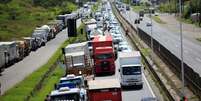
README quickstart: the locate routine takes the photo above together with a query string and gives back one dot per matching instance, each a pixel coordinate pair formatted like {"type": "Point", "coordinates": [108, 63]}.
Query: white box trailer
{"type": "Point", "coordinates": [47, 29]}
{"type": "Point", "coordinates": [10, 51]}
{"type": "Point", "coordinates": [75, 59]}
{"type": "Point", "coordinates": [2, 58]}
{"type": "Point", "coordinates": [76, 47]}
{"type": "Point", "coordinates": [130, 68]}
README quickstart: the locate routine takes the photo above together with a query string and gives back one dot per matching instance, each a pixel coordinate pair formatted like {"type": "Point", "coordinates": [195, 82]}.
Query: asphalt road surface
{"type": "Point", "coordinates": [170, 40]}
{"type": "Point", "coordinates": [17, 72]}
{"type": "Point", "coordinates": [132, 94]}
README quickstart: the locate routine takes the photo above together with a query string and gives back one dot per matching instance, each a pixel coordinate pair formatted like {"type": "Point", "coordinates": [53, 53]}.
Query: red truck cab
{"type": "Point", "coordinates": [104, 90]}
{"type": "Point", "coordinates": [103, 54]}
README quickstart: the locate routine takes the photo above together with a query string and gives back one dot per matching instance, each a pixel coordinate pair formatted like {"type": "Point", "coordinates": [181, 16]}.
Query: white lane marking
{"type": "Point", "coordinates": [152, 93]}
{"type": "Point", "coordinates": [198, 59]}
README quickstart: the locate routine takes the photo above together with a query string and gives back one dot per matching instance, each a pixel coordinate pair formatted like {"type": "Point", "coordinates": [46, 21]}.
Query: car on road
{"type": "Point", "coordinates": [141, 18]}
{"type": "Point", "coordinates": [127, 8]}
{"type": "Point", "coordinates": [149, 99]}
{"type": "Point", "coordinates": [149, 24]}
{"type": "Point", "coordinates": [156, 14]}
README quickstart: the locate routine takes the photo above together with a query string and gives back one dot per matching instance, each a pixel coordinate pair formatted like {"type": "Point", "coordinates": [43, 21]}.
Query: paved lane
{"type": "Point", "coordinates": [132, 94]}
{"type": "Point", "coordinates": [171, 40]}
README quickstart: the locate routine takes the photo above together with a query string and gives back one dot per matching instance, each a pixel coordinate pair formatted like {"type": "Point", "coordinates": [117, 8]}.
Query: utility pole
{"type": "Point", "coordinates": [181, 50]}
{"type": "Point", "coordinates": [152, 47]}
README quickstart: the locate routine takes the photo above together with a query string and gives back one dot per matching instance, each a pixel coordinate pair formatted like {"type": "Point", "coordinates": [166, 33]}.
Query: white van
{"type": "Point", "coordinates": [130, 69]}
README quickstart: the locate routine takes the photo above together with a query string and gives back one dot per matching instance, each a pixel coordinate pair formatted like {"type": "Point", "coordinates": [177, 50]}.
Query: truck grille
{"type": "Point", "coordinates": [105, 65]}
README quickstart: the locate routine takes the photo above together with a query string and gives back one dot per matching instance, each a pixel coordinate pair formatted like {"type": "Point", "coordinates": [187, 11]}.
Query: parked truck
{"type": "Point", "coordinates": [130, 69]}
{"type": "Point", "coordinates": [68, 86]}
{"type": "Point", "coordinates": [77, 59]}
{"type": "Point", "coordinates": [104, 90]}
{"type": "Point", "coordinates": [78, 80]}
{"type": "Point", "coordinates": [103, 54]}
{"type": "Point", "coordinates": [65, 17]}
{"type": "Point", "coordinates": [21, 49]}
{"type": "Point", "coordinates": [40, 37]}
{"type": "Point", "coordinates": [47, 29]}
{"type": "Point", "coordinates": [3, 60]}
{"type": "Point", "coordinates": [10, 51]}
{"type": "Point", "coordinates": [32, 43]}
{"type": "Point", "coordinates": [68, 94]}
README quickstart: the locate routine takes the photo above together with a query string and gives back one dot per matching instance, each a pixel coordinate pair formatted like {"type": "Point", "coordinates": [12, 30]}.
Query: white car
{"type": "Point", "coordinates": [148, 24]}
{"type": "Point", "coordinates": [149, 99]}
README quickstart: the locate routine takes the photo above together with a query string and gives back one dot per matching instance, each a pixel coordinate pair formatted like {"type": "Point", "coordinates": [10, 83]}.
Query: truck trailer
{"type": "Point", "coordinates": [10, 50]}
{"type": "Point", "coordinates": [130, 69]}
{"type": "Point", "coordinates": [104, 90]}
{"type": "Point", "coordinates": [68, 94]}
{"type": "Point", "coordinates": [103, 54]}
{"type": "Point", "coordinates": [3, 58]}
{"type": "Point", "coordinates": [77, 59]}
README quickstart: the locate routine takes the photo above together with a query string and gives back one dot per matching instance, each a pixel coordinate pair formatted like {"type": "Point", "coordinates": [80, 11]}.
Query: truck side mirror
{"type": "Point", "coordinates": [119, 70]}
{"type": "Point", "coordinates": [63, 50]}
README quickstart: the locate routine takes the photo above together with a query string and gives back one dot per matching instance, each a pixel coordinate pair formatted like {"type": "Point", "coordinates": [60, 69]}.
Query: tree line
{"type": "Point", "coordinates": [189, 7]}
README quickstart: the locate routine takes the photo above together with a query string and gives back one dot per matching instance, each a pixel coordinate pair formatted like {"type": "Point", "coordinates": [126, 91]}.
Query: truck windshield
{"type": "Point", "coordinates": [66, 97]}
{"type": "Point", "coordinates": [135, 70]}
{"type": "Point", "coordinates": [76, 81]}
{"type": "Point", "coordinates": [104, 56]}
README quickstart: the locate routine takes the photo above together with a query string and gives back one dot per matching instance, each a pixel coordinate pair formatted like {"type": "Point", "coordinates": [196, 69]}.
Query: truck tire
{"type": "Point", "coordinates": [43, 44]}
{"type": "Point", "coordinates": [140, 86]}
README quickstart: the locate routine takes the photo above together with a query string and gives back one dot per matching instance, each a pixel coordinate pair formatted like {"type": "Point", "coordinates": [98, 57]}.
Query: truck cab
{"type": "Point", "coordinates": [103, 54]}
{"type": "Point", "coordinates": [104, 90]}
{"type": "Point", "coordinates": [40, 36]}
{"type": "Point", "coordinates": [130, 69]}
{"type": "Point", "coordinates": [67, 94]}
{"type": "Point", "coordinates": [78, 80]}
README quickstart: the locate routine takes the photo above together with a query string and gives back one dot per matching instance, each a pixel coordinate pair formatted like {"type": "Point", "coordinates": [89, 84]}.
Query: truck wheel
{"type": "Point", "coordinates": [140, 86]}
{"type": "Point", "coordinates": [43, 44]}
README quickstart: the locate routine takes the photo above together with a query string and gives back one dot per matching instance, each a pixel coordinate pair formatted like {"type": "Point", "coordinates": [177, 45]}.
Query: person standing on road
{"type": "Point", "coordinates": [127, 32]}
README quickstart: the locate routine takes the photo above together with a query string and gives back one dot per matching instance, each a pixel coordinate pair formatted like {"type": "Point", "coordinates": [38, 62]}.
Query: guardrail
{"type": "Point", "coordinates": [148, 63]}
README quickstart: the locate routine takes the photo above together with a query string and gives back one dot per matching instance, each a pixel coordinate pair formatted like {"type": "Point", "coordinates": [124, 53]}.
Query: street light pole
{"type": "Point", "coordinates": [181, 39]}
{"type": "Point", "coordinates": [129, 11]}
{"type": "Point", "coordinates": [152, 46]}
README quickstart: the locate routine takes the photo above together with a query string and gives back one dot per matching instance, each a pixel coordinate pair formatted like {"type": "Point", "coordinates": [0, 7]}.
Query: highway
{"type": "Point", "coordinates": [132, 94]}
{"type": "Point", "coordinates": [17, 72]}
{"type": "Point", "coordinates": [171, 41]}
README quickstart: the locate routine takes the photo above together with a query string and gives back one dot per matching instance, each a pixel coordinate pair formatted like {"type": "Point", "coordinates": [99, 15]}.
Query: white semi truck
{"type": "Point", "coordinates": [130, 69]}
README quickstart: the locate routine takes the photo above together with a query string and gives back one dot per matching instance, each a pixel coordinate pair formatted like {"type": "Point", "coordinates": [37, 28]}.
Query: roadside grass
{"type": "Point", "coordinates": [146, 51]}
{"type": "Point", "coordinates": [189, 21]}
{"type": "Point", "coordinates": [23, 89]}
{"type": "Point", "coordinates": [27, 17]}
{"type": "Point", "coordinates": [95, 7]}
{"type": "Point", "coordinates": [48, 84]}
{"type": "Point", "coordinates": [199, 39]}
{"type": "Point", "coordinates": [138, 8]}
{"type": "Point", "coordinates": [158, 20]}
